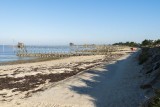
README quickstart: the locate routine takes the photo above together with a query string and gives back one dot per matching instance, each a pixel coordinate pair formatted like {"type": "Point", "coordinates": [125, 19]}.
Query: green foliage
{"type": "Point", "coordinates": [143, 57]}
{"type": "Point", "coordinates": [148, 42]}
{"type": "Point", "coordinates": [157, 42]}
{"type": "Point", "coordinates": [132, 44]}
{"type": "Point", "coordinates": [153, 101]}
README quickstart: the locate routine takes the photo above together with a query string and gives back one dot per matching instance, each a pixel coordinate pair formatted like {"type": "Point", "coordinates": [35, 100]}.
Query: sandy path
{"type": "Point", "coordinates": [114, 85]}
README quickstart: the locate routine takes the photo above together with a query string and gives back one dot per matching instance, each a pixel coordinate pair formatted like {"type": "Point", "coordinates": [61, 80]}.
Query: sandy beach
{"type": "Point", "coordinates": [21, 81]}
{"type": "Point", "coordinates": [81, 81]}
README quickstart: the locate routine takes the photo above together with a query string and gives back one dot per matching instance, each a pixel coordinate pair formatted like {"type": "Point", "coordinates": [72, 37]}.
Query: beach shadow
{"type": "Point", "coordinates": [98, 82]}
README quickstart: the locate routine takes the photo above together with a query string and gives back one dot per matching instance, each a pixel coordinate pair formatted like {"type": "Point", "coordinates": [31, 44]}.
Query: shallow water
{"type": "Point", "coordinates": [8, 53]}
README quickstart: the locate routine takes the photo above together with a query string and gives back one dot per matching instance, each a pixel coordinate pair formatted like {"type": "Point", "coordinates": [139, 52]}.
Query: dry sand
{"type": "Point", "coordinates": [23, 80]}
{"type": "Point", "coordinates": [113, 85]}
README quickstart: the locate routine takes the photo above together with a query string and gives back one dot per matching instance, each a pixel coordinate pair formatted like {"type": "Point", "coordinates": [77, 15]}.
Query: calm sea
{"type": "Point", "coordinates": [8, 53]}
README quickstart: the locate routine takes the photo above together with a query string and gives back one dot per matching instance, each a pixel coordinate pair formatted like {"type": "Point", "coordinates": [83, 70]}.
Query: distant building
{"type": "Point", "coordinates": [20, 45]}
{"type": "Point", "coordinates": [71, 44]}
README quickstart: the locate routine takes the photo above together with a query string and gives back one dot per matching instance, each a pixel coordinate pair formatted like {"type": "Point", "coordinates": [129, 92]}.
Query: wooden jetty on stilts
{"type": "Point", "coordinates": [75, 50]}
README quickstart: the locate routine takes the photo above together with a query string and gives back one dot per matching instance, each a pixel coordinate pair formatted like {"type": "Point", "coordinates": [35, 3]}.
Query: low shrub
{"type": "Point", "coordinates": [143, 57]}
{"type": "Point", "coordinates": [153, 101]}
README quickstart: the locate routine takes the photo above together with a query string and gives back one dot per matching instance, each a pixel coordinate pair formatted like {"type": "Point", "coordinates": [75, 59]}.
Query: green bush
{"type": "Point", "coordinates": [143, 57]}
{"type": "Point", "coordinates": [153, 101]}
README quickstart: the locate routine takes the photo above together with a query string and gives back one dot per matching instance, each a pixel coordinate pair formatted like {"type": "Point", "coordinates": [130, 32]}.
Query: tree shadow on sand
{"type": "Point", "coordinates": [100, 81]}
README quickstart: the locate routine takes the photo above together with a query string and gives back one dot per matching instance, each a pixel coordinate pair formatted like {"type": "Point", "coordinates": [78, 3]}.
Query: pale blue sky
{"type": "Point", "coordinates": [56, 22]}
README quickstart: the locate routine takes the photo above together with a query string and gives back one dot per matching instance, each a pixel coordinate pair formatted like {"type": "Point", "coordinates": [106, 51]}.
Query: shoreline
{"type": "Point", "coordinates": [87, 88]}
{"type": "Point", "coordinates": [34, 60]}
{"type": "Point", "coordinates": [23, 80]}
